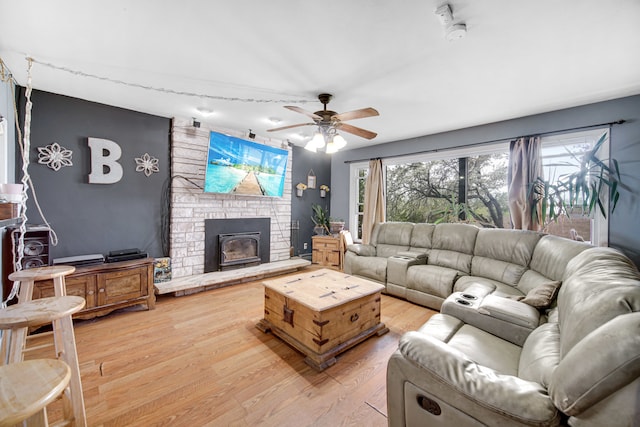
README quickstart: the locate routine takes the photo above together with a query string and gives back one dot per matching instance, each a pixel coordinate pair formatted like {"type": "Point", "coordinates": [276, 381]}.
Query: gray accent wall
{"type": "Point", "coordinates": [97, 218]}
{"type": "Point", "coordinates": [624, 230]}
{"type": "Point", "coordinates": [303, 162]}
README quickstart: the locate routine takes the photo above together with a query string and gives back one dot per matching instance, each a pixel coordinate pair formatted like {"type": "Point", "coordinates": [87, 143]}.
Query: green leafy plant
{"type": "Point", "coordinates": [320, 217]}
{"type": "Point", "coordinates": [585, 188]}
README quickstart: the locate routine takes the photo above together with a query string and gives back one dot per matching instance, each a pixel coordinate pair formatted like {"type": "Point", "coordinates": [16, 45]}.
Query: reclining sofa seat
{"type": "Point", "coordinates": [581, 368]}
{"type": "Point", "coordinates": [370, 260]}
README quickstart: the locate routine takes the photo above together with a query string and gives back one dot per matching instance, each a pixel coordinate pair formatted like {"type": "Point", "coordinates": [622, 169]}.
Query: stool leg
{"type": "Point", "coordinates": [17, 337]}
{"type": "Point", "coordinates": [68, 354]}
{"type": "Point", "coordinates": [59, 286]}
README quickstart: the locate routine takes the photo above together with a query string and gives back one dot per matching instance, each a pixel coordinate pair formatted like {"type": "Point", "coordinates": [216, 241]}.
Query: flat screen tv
{"type": "Point", "coordinates": [237, 166]}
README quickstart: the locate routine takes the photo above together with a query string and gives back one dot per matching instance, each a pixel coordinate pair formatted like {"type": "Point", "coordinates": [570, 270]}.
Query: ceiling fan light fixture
{"type": "Point", "coordinates": [339, 141]}
{"type": "Point", "coordinates": [331, 147]}
{"type": "Point", "coordinates": [310, 146]}
{"type": "Point", "coordinates": [318, 140]}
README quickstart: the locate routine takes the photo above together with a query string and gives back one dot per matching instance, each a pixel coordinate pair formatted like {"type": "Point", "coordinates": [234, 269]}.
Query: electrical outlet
{"type": "Point", "coordinates": [304, 246]}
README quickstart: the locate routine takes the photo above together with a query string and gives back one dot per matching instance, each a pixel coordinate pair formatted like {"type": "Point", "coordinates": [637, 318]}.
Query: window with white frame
{"type": "Point", "coordinates": [561, 155]}
{"type": "Point", "coordinates": [358, 173]}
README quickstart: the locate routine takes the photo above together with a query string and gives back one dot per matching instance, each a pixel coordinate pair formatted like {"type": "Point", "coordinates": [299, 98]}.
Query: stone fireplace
{"type": "Point", "coordinates": [191, 210]}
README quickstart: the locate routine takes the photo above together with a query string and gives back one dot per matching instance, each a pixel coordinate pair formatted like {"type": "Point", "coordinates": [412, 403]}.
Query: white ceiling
{"type": "Point", "coordinates": [518, 58]}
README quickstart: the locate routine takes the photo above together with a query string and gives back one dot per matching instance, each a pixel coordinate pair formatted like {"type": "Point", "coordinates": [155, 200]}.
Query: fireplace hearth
{"type": "Point", "coordinates": [246, 241]}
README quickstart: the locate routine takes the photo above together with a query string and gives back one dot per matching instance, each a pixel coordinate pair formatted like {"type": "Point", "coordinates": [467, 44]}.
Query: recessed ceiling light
{"type": "Point", "coordinates": [204, 111]}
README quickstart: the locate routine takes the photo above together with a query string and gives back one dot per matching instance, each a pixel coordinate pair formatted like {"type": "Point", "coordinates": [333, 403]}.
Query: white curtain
{"type": "Point", "coordinates": [525, 165]}
{"type": "Point", "coordinates": [374, 206]}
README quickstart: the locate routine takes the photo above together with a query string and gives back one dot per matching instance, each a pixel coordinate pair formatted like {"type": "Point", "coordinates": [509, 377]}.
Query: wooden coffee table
{"type": "Point", "coordinates": [322, 313]}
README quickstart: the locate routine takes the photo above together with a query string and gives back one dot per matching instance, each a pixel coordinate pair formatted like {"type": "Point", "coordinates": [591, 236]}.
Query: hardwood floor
{"type": "Point", "coordinates": [199, 360]}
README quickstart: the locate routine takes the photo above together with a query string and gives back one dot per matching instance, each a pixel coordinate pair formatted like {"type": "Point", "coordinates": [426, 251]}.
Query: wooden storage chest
{"type": "Point", "coordinates": [322, 313]}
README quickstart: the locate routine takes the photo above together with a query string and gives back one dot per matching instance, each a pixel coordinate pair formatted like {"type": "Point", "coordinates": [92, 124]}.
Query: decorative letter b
{"type": "Point", "coordinates": [105, 168]}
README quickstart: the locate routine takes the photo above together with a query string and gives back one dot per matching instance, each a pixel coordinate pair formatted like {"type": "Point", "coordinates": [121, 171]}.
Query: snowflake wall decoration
{"type": "Point", "coordinates": [147, 164]}
{"type": "Point", "coordinates": [54, 156]}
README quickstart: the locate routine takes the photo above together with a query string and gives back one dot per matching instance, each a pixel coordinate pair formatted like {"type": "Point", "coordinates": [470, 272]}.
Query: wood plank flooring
{"type": "Point", "coordinates": [199, 360]}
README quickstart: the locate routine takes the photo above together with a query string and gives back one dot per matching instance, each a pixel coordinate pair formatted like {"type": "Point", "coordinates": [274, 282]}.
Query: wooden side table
{"type": "Point", "coordinates": [327, 251]}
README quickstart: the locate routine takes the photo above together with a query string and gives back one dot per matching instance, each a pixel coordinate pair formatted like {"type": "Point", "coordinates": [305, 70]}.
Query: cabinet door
{"type": "Point", "coordinates": [332, 258]}
{"type": "Point", "coordinates": [81, 286]}
{"type": "Point", "coordinates": [122, 285]}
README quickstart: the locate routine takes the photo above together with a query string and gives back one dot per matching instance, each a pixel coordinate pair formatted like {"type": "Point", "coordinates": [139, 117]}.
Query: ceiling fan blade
{"type": "Point", "coordinates": [303, 111]}
{"type": "Point", "coordinates": [357, 131]}
{"type": "Point", "coordinates": [356, 114]}
{"type": "Point", "coordinates": [289, 127]}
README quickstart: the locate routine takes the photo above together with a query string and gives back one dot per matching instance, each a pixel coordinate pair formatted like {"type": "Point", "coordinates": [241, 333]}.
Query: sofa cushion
{"type": "Point", "coordinates": [392, 233]}
{"type": "Point", "coordinates": [540, 354]}
{"type": "Point", "coordinates": [386, 251]}
{"type": "Point", "coordinates": [432, 279]}
{"type": "Point", "coordinates": [370, 267]}
{"type": "Point", "coordinates": [455, 237]}
{"type": "Point", "coordinates": [421, 237]}
{"type": "Point", "coordinates": [611, 357]}
{"type": "Point", "coordinates": [452, 246]}
{"type": "Point", "coordinates": [505, 272]}
{"type": "Point", "coordinates": [553, 253]}
{"type": "Point", "coordinates": [502, 254]}
{"type": "Point", "coordinates": [512, 246]}
{"type": "Point", "coordinates": [601, 284]}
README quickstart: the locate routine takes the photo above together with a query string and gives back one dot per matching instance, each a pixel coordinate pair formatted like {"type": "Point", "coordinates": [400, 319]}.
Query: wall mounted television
{"type": "Point", "coordinates": [237, 166]}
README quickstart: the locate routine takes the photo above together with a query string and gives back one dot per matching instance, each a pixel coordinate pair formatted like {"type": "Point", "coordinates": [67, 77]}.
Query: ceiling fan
{"type": "Point", "coordinates": [327, 119]}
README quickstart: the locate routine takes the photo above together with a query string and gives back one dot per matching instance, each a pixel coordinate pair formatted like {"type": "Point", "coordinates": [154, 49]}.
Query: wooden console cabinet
{"type": "Point", "coordinates": [327, 251]}
{"type": "Point", "coordinates": [107, 287]}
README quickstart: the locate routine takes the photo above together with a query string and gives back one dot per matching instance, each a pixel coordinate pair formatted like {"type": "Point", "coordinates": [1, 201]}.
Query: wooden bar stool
{"type": "Point", "coordinates": [15, 321]}
{"type": "Point", "coordinates": [28, 387]}
{"type": "Point", "coordinates": [28, 277]}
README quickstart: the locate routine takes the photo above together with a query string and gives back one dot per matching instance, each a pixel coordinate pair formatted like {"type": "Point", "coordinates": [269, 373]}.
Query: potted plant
{"type": "Point", "coordinates": [336, 225]}
{"type": "Point", "coordinates": [585, 188]}
{"type": "Point", "coordinates": [320, 218]}
{"type": "Point", "coordinates": [324, 189]}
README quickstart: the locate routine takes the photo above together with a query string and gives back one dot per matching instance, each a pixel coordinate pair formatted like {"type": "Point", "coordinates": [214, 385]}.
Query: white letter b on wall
{"type": "Point", "coordinates": [105, 168]}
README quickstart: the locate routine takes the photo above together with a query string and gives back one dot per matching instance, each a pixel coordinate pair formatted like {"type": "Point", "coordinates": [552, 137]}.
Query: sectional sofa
{"type": "Point", "coordinates": [426, 263]}
{"type": "Point", "coordinates": [505, 350]}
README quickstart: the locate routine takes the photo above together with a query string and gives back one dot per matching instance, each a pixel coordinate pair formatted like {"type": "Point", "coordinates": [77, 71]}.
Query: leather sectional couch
{"type": "Point", "coordinates": [505, 350]}
{"type": "Point", "coordinates": [425, 263]}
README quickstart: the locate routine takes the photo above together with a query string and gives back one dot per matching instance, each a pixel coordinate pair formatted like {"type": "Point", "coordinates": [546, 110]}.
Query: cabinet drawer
{"type": "Point", "coordinates": [327, 244]}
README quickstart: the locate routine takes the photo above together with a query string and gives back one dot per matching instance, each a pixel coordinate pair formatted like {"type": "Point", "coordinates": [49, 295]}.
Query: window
{"type": "Point", "coordinates": [561, 154]}
{"type": "Point", "coordinates": [358, 173]}
{"type": "Point", "coordinates": [465, 184]}
{"type": "Point", "coordinates": [470, 184]}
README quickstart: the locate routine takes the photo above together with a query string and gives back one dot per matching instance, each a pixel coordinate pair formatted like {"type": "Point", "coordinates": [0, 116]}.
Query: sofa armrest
{"type": "Point", "coordinates": [457, 379]}
{"type": "Point", "coordinates": [511, 311]}
{"type": "Point", "coordinates": [362, 249]}
{"type": "Point", "coordinates": [508, 319]}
